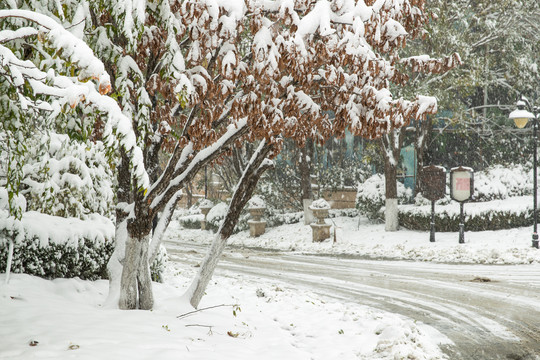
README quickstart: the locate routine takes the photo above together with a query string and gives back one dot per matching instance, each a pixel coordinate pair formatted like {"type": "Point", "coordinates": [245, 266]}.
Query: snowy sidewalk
{"type": "Point", "coordinates": [364, 239]}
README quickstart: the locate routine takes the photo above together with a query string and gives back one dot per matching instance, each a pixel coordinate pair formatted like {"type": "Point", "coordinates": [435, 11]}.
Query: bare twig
{"type": "Point", "coordinates": [206, 308]}
{"type": "Point", "coordinates": [200, 325]}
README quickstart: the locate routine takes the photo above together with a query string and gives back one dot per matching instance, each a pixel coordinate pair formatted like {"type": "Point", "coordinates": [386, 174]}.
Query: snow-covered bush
{"type": "Point", "coordinates": [52, 246]}
{"type": "Point", "coordinates": [277, 219]}
{"type": "Point", "coordinates": [191, 221]}
{"type": "Point", "coordinates": [63, 182]}
{"type": "Point", "coordinates": [191, 218]}
{"type": "Point", "coordinates": [216, 215]}
{"type": "Point", "coordinates": [370, 197]}
{"type": "Point", "coordinates": [492, 215]}
{"type": "Point", "coordinates": [420, 200]}
{"type": "Point", "coordinates": [158, 265]}
{"type": "Point", "coordinates": [68, 178]}
{"type": "Point", "coordinates": [494, 183]}
{"type": "Point", "coordinates": [500, 182]}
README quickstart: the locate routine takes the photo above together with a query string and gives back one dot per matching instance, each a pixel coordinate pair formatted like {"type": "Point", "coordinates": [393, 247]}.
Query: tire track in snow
{"type": "Point", "coordinates": [492, 320]}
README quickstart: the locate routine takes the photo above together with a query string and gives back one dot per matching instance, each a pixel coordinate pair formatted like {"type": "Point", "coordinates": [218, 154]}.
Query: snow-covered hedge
{"type": "Point", "coordinates": [491, 215]}
{"type": "Point", "coordinates": [370, 197]}
{"type": "Point", "coordinates": [494, 183]}
{"type": "Point", "coordinates": [216, 215]}
{"type": "Point", "coordinates": [52, 246]}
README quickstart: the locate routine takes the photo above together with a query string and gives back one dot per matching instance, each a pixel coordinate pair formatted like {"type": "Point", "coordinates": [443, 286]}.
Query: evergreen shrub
{"type": "Point", "coordinates": [493, 215]}
{"type": "Point", "coordinates": [80, 257]}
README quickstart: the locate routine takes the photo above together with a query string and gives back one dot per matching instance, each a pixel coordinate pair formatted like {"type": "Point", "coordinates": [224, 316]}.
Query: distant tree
{"type": "Point", "coordinates": [499, 42]}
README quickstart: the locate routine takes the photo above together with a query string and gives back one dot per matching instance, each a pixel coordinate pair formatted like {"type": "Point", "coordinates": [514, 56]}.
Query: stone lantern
{"type": "Point", "coordinates": [256, 208]}
{"type": "Point", "coordinates": [205, 206]}
{"type": "Point", "coordinates": [320, 229]}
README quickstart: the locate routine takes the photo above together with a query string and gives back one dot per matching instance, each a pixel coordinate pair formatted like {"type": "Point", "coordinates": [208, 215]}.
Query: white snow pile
{"type": "Point", "coordinates": [206, 203]}
{"type": "Point", "coordinates": [320, 204]}
{"type": "Point", "coordinates": [64, 319]}
{"type": "Point", "coordinates": [256, 202]}
{"type": "Point", "coordinates": [58, 230]}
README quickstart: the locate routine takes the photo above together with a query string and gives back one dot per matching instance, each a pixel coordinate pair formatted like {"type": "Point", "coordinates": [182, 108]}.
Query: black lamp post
{"type": "Point", "coordinates": [521, 116]}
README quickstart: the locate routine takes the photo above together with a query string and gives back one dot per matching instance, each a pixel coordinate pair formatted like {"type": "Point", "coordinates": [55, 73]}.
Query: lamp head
{"type": "Point", "coordinates": [521, 116]}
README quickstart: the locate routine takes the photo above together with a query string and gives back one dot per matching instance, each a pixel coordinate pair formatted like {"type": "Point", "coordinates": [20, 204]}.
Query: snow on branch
{"type": "Point", "coordinates": [425, 64]}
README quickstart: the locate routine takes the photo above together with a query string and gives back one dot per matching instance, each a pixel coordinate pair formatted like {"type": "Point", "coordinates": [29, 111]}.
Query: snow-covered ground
{"type": "Point", "coordinates": [359, 237]}
{"type": "Point", "coordinates": [262, 319]}
{"type": "Point", "coordinates": [64, 319]}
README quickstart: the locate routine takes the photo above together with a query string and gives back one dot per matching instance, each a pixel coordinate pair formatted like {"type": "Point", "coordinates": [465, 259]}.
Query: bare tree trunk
{"type": "Point", "coordinates": [423, 131]}
{"type": "Point", "coordinates": [189, 194]}
{"type": "Point", "coordinates": [144, 278]}
{"type": "Point", "coordinates": [391, 213]}
{"type": "Point", "coordinates": [130, 281]}
{"type": "Point", "coordinates": [162, 225]}
{"type": "Point", "coordinates": [9, 259]}
{"type": "Point", "coordinates": [136, 282]}
{"type": "Point", "coordinates": [128, 289]}
{"type": "Point", "coordinates": [391, 145]}
{"type": "Point", "coordinates": [114, 266]}
{"type": "Point", "coordinates": [304, 168]}
{"type": "Point", "coordinates": [243, 193]}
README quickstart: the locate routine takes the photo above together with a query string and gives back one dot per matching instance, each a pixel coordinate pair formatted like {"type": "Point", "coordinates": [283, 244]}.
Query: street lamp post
{"type": "Point", "coordinates": [521, 116]}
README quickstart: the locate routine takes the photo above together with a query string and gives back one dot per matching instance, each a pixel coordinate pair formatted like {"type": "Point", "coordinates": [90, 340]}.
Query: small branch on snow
{"type": "Point", "coordinates": [206, 308]}
{"type": "Point", "coordinates": [199, 325]}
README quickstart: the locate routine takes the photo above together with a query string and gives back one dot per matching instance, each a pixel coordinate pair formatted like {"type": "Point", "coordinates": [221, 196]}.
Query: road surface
{"type": "Point", "coordinates": [488, 312]}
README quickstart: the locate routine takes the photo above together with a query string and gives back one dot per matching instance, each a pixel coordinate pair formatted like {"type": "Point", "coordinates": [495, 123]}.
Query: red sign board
{"type": "Point", "coordinates": [461, 183]}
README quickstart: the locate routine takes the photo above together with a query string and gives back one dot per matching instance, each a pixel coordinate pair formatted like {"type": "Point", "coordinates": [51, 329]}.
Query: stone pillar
{"type": "Point", "coordinates": [204, 210]}
{"type": "Point", "coordinates": [257, 226]}
{"type": "Point", "coordinates": [320, 229]}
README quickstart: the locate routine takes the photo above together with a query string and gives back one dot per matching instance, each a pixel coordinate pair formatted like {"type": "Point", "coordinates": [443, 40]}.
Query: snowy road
{"type": "Point", "coordinates": [489, 312]}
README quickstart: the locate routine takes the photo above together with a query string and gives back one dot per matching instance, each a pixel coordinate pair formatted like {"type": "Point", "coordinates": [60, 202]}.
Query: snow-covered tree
{"type": "Point", "coordinates": [45, 71]}
{"type": "Point", "coordinates": [68, 178]}
{"type": "Point", "coordinates": [196, 78]}
{"type": "Point", "coordinates": [347, 58]}
{"type": "Point", "coordinates": [36, 92]}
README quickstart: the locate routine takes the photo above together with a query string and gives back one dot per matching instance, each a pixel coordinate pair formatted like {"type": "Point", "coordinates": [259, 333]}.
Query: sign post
{"type": "Point", "coordinates": [461, 190]}
{"type": "Point", "coordinates": [433, 185]}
